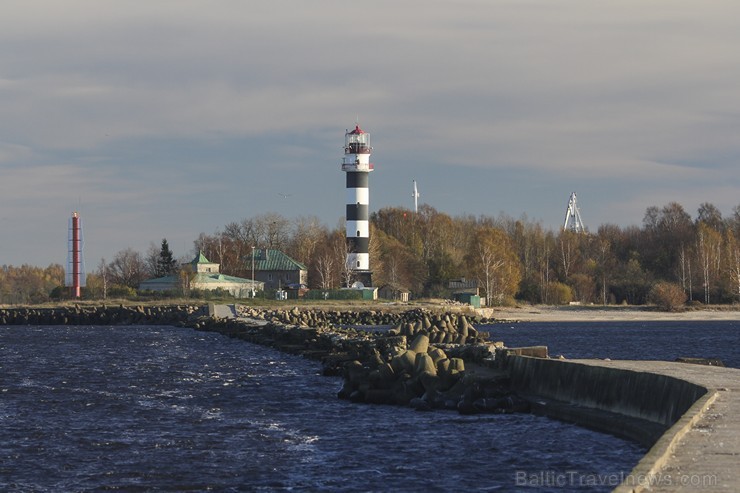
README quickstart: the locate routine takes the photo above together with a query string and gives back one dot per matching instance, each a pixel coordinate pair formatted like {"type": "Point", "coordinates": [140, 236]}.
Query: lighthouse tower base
{"type": "Point", "coordinates": [362, 279]}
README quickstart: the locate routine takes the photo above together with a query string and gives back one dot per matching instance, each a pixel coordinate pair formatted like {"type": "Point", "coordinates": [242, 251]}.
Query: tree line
{"type": "Point", "coordinates": [670, 256]}
{"type": "Point", "coordinates": [510, 258]}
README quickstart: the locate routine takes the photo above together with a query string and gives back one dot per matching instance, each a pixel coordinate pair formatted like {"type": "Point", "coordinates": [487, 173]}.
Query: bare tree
{"type": "Point", "coordinates": [128, 268]}
{"type": "Point", "coordinates": [567, 251]}
{"type": "Point", "coordinates": [151, 259]}
{"type": "Point", "coordinates": [325, 269]}
{"type": "Point", "coordinates": [307, 233]}
{"type": "Point", "coordinates": [685, 274]}
{"type": "Point", "coordinates": [104, 275]}
{"type": "Point", "coordinates": [707, 248]}
{"type": "Point", "coordinates": [733, 254]}
{"type": "Point", "coordinates": [272, 231]}
{"type": "Point", "coordinates": [711, 216]}
{"type": "Point", "coordinates": [605, 262]}
{"type": "Point", "coordinates": [341, 251]}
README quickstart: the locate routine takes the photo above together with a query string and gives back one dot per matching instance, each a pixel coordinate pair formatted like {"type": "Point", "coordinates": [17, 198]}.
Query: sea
{"type": "Point", "coordinates": [153, 408]}
{"type": "Point", "coordinates": [631, 340]}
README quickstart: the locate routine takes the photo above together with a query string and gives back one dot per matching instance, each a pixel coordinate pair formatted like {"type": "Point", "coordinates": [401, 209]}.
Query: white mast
{"type": "Point", "coordinates": [415, 195]}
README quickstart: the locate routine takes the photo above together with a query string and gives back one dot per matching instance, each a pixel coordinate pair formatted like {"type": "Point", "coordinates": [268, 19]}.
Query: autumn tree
{"type": "Point", "coordinates": [668, 296]}
{"type": "Point", "coordinates": [29, 284]}
{"type": "Point", "coordinates": [399, 267]}
{"type": "Point", "coordinates": [492, 261]}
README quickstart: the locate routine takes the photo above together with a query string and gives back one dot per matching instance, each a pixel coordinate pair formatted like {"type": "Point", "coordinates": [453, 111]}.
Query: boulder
{"type": "Point", "coordinates": [420, 404]}
{"type": "Point", "coordinates": [424, 364]}
{"type": "Point", "coordinates": [437, 354]}
{"type": "Point", "coordinates": [404, 362]}
{"type": "Point", "coordinates": [420, 344]}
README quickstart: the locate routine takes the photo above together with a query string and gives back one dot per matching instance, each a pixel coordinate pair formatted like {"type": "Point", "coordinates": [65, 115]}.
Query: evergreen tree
{"type": "Point", "coordinates": [165, 263]}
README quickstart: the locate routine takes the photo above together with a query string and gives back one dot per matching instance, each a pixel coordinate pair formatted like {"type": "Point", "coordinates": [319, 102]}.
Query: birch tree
{"type": "Point", "coordinates": [708, 245]}
{"type": "Point", "coordinates": [493, 262]}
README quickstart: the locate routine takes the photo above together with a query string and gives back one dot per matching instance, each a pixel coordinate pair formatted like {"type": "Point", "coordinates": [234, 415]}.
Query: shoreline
{"type": "Point", "coordinates": [546, 313]}
{"type": "Point", "coordinates": [499, 314]}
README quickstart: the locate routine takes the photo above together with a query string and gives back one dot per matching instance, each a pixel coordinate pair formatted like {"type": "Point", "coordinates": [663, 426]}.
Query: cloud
{"type": "Point", "coordinates": [179, 105]}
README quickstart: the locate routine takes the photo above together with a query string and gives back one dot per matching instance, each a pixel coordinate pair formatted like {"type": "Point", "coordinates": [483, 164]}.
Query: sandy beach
{"type": "Point", "coordinates": [544, 313]}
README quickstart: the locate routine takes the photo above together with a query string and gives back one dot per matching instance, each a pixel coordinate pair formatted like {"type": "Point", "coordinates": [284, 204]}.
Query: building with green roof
{"type": "Point", "coordinates": [202, 274]}
{"type": "Point", "coordinates": [277, 270]}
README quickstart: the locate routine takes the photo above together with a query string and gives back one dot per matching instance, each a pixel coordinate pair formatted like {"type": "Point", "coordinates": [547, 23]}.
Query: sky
{"type": "Point", "coordinates": [171, 118]}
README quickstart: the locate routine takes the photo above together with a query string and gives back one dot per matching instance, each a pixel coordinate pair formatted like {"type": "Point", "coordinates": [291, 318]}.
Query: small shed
{"type": "Point", "coordinates": [468, 298]}
{"type": "Point", "coordinates": [395, 293]}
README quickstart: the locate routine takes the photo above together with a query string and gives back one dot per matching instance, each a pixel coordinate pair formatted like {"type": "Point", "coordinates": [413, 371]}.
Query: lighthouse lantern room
{"type": "Point", "coordinates": [356, 164]}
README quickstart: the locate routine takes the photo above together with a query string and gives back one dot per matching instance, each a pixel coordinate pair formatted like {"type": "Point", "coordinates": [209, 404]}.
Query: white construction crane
{"type": "Point", "coordinates": [573, 216]}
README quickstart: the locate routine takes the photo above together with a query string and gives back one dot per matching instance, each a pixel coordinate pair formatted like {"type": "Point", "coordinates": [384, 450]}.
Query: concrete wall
{"type": "Point", "coordinates": [637, 405]}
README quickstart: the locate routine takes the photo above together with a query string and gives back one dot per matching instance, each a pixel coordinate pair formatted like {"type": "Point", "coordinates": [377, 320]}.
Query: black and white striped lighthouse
{"type": "Point", "coordinates": [356, 164]}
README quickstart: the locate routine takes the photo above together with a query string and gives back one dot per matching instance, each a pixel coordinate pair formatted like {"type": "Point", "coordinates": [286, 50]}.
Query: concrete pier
{"type": "Point", "coordinates": [686, 413]}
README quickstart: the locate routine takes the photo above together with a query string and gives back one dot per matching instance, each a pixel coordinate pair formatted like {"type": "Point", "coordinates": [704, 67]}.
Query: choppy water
{"type": "Point", "coordinates": [662, 340]}
{"type": "Point", "coordinates": [166, 409]}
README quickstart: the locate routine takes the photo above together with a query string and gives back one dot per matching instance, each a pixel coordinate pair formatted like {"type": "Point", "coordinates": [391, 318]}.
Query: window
{"type": "Point", "coordinates": [358, 263]}
{"type": "Point", "coordinates": [358, 232]}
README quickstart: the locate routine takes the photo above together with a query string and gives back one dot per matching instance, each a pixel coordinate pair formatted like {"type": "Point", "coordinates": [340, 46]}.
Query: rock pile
{"type": "Point", "coordinates": [448, 328]}
{"type": "Point", "coordinates": [424, 376]}
{"type": "Point", "coordinates": [368, 318]}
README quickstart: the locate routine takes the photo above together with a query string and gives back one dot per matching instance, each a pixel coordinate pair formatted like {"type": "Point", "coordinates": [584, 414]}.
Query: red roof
{"type": "Point", "coordinates": [357, 131]}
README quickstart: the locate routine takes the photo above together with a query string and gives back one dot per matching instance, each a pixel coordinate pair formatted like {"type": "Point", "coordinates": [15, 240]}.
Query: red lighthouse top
{"type": "Point", "coordinates": [357, 141]}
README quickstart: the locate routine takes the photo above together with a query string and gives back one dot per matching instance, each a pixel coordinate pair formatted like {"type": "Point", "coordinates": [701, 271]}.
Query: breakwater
{"type": "Point", "coordinates": [640, 406]}
{"type": "Point", "coordinates": [177, 315]}
{"type": "Point", "coordinates": [424, 360]}
{"type": "Point", "coordinates": [409, 321]}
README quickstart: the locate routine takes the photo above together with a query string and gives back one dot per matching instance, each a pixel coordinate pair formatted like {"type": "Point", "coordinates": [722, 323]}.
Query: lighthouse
{"type": "Point", "coordinates": [356, 164]}
{"type": "Point", "coordinates": [75, 275]}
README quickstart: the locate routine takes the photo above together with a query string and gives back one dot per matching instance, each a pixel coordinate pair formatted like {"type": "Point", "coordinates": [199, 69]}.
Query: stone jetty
{"type": "Point", "coordinates": [178, 315]}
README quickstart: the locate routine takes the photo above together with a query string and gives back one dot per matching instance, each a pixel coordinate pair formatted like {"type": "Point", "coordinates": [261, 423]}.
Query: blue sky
{"type": "Point", "coordinates": [165, 119]}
